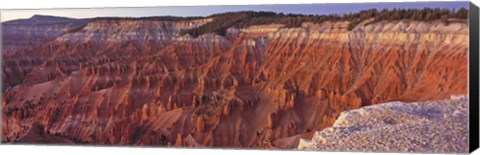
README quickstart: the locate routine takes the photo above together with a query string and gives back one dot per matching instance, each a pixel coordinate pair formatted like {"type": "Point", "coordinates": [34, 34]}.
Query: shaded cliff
{"type": "Point", "coordinates": [35, 31]}
{"type": "Point", "coordinates": [140, 82]}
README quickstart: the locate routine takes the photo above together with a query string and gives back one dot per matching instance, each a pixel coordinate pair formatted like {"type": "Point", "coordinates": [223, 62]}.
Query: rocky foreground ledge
{"type": "Point", "coordinates": [433, 126]}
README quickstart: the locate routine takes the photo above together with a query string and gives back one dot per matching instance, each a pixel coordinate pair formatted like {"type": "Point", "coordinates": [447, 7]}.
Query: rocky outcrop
{"type": "Point", "coordinates": [138, 82]}
{"type": "Point", "coordinates": [439, 126]}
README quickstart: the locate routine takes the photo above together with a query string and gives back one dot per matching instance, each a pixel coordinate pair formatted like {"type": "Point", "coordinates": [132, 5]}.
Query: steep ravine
{"type": "Point", "coordinates": [140, 83]}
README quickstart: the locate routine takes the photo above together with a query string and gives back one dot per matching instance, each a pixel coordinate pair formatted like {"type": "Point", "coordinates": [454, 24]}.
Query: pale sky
{"type": "Point", "coordinates": [208, 10]}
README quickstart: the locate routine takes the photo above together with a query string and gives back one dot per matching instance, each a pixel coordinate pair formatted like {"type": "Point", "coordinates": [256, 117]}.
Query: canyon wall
{"type": "Point", "coordinates": [138, 82]}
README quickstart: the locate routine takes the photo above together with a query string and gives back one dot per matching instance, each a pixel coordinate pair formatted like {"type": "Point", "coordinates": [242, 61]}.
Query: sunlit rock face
{"type": "Point", "coordinates": [139, 82]}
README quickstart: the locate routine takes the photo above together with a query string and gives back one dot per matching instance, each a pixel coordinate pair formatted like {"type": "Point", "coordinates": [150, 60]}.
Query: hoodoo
{"type": "Point", "coordinates": [180, 82]}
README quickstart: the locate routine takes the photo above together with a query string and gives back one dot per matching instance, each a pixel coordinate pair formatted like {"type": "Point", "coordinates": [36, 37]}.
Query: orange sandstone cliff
{"type": "Point", "coordinates": [139, 82]}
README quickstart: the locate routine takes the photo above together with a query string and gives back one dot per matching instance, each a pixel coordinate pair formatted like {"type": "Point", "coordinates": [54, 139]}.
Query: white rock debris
{"type": "Point", "coordinates": [432, 126]}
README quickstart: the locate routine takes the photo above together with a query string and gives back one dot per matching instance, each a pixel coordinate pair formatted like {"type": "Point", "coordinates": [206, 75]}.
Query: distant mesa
{"type": "Point", "coordinates": [41, 19]}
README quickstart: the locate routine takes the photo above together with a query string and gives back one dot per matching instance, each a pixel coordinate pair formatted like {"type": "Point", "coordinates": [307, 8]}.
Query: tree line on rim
{"type": "Point", "coordinates": [221, 22]}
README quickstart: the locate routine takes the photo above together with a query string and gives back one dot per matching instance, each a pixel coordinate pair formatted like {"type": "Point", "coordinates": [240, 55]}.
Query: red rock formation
{"type": "Point", "coordinates": [131, 82]}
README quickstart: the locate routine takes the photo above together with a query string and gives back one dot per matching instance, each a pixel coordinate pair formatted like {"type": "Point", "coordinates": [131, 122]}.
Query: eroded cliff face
{"type": "Point", "coordinates": [131, 82]}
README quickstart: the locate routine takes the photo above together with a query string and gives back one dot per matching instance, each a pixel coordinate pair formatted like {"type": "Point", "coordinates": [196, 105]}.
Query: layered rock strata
{"type": "Point", "coordinates": [138, 82]}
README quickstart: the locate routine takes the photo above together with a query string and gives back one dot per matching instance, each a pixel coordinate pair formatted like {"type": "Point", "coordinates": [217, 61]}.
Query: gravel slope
{"type": "Point", "coordinates": [433, 126]}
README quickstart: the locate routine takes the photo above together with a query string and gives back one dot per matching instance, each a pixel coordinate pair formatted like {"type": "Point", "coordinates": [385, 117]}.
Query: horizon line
{"type": "Point", "coordinates": [208, 10]}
